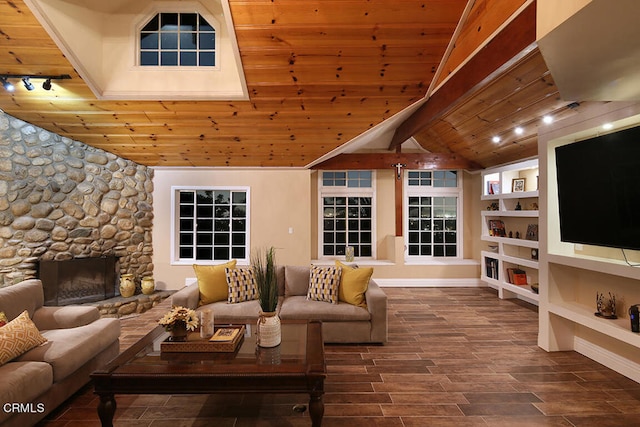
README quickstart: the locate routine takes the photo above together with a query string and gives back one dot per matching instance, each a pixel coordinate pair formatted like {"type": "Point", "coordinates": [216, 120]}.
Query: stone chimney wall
{"type": "Point", "coordinates": [62, 199]}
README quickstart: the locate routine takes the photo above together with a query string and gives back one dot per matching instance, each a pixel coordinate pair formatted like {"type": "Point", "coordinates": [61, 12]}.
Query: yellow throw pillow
{"type": "Point", "coordinates": [354, 282]}
{"type": "Point", "coordinates": [17, 337]}
{"type": "Point", "coordinates": [212, 281]}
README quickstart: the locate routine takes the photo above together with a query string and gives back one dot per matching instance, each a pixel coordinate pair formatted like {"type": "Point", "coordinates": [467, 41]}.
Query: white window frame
{"type": "Point", "coordinates": [417, 191]}
{"type": "Point", "coordinates": [175, 227]}
{"type": "Point", "coordinates": [339, 191]}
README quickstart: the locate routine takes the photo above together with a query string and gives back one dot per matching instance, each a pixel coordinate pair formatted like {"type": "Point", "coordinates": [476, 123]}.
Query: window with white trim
{"type": "Point", "coordinates": [346, 213]}
{"type": "Point", "coordinates": [433, 215]}
{"type": "Point", "coordinates": [211, 224]}
{"type": "Point", "coordinates": [178, 39]}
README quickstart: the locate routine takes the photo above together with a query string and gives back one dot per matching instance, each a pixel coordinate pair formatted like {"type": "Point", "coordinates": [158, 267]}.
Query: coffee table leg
{"type": "Point", "coordinates": [106, 409]}
{"type": "Point", "coordinates": [316, 409]}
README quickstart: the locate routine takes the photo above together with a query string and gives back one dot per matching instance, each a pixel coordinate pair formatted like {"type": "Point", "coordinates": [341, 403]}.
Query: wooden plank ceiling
{"type": "Point", "coordinates": [319, 73]}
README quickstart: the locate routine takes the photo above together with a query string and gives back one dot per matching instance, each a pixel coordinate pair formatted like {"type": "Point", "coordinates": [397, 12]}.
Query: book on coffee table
{"type": "Point", "coordinates": [225, 335]}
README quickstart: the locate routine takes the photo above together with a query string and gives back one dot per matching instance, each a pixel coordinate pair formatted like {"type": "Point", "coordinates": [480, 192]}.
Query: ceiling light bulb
{"type": "Point", "coordinates": [547, 119]}
{"type": "Point", "coordinates": [27, 84]}
{"type": "Point", "coordinates": [519, 130]}
{"type": "Point", "coordinates": [47, 84]}
{"type": "Point", "coordinates": [495, 139]}
{"type": "Point", "coordinates": [7, 85]}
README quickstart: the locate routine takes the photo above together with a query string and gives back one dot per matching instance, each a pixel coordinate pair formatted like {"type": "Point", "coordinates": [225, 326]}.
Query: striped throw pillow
{"type": "Point", "coordinates": [242, 285]}
{"type": "Point", "coordinates": [323, 284]}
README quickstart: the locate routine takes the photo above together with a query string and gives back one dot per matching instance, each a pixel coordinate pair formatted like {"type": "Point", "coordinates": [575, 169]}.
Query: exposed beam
{"type": "Point", "coordinates": [507, 47]}
{"type": "Point", "coordinates": [387, 160]}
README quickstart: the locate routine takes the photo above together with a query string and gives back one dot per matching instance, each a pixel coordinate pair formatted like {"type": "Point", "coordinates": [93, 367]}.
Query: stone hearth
{"type": "Point", "coordinates": [121, 307]}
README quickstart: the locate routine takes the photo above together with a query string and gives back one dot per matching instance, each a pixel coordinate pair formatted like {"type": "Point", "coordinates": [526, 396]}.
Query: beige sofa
{"type": "Point", "coordinates": [341, 323]}
{"type": "Point", "coordinates": [78, 342]}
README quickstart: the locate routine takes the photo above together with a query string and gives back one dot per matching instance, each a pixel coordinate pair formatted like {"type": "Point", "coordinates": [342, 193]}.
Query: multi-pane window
{"type": "Point", "coordinates": [433, 219]}
{"type": "Point", "coordinates": [212, 224]}
{"type": "Point", "coordinates": [347, 213]}
{"type": "Point", "coordinates": [178, 39]}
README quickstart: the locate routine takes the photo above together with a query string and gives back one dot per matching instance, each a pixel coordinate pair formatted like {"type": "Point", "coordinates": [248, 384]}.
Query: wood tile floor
{"type": "Point", "coordinates": [455, 357]}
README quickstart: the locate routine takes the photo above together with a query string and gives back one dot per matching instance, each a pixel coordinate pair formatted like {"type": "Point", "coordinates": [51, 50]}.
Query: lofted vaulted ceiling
{"type": "Point", "coordinates": [320, 74]}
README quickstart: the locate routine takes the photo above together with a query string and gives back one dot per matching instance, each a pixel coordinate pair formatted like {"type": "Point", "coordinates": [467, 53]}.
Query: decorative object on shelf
{"type": "Point", "coordinates": [127, 286]}
{"type": "Point", "coordinates": [534, 253]}
{"type": "Point", "coordinates": [535, 287]}
{"type": "Point", "coordinates": [496, 228]}
{"type": "Point", "coordinates": [268, 327]}
{"type": "Point", "coordinates": [606, 309]}
{"type": "Point", "coordinates": [494, 206]}
{"type": "Point", "coordinates": [532, 232]}
{"type": "Point", "coordinates": [517, 234]}
{"type": "Point", "coordinates": [533, 206]}
{"type": "Point", "coordinates": [634, 317]}
{"type": "Point", "coordinates": [349, 254]}
{"type": "Point", "coordinates": [178, 322]}
{"type": "Point", "coordinates": [517, 185]}
{"type": "Point", "coordinates": [147, 285]}
{"type": "Point", "coordinates": [518, 206]}
{"type": "Point", "coordinates": [493, 248]}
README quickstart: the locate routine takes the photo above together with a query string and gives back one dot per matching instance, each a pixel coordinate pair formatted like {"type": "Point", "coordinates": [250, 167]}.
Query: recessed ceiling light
{"type": "Point", "coordinates": [607, 126]}
{"type": "Point", "coordinates": [518, 130]}
{"type": "Point", "coordinates": [495, 139]}
{"type": "Point", "coordinates": [547, 119]}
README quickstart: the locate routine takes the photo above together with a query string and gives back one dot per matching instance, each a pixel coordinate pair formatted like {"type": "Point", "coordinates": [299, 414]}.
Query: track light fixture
{"type": "Point", "coordinates": [27, 84]}
{"type": "Point", "coordinates": [26, 80]}
{"type": "Point", "coordinates": [6, 84]}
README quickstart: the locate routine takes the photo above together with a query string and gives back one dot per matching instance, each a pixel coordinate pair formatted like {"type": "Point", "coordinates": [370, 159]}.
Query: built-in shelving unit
{"type": "Point", "coordinates": [571, 275]}
{"type": "Point", "coordinates": [511, 196]}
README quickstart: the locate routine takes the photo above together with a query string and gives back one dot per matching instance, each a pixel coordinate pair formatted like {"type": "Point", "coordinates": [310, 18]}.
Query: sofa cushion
{"type": "Point", "coordinates": [300, 308]}
{"type": "Point", "coordinates": [212, 281]}
{"type": "Point", "coordinates": [26, 295]}
{"type": "Point", "coordinates": [18, 336]}
{"type": "Point", "coordinates": [23, 382]}
{"type": "Point", "coordinates": [296, 280]}
{"type": "Point", "coordinates": [323, 284]}
{"type": "Point", "coordinates": [353, 284]}
{"type": "Point", "coordinates": [68, 349]}
{"type": "Point", "coordinates": [241, 285]}
{"type": "Point", "coordinates": [227, 313]}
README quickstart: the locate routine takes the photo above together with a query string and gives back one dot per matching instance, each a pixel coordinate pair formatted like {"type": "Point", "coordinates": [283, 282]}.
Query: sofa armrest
{"type": "Point", "coordinates": [188, 297]}
{"type": "Point", "coordinates": [64, 317]}
{"type": "Point", "coordinates": [377, 306]}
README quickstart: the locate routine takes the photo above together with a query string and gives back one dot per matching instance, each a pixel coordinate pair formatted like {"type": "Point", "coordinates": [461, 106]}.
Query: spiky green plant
{"type": "Point", "coordinates": [264, 272]}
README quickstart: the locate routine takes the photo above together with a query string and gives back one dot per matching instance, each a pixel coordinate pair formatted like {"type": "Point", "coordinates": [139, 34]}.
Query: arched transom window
{"type": "Point", "coordinates": [178, 39]}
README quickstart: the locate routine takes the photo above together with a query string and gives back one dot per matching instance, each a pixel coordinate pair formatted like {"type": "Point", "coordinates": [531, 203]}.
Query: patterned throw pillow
{"type": "Point", "coordinates": [323, 284]}
{"type": "Point", "coordinates": [18, 336]}
{"type": "Point", "coordinates": [242, 285]}
{"type": "Point", "coordinates": [3, 319]}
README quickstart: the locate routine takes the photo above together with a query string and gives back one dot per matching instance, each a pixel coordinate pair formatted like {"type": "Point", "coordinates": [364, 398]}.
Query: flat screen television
{"type": "Point", "coordinates": [599, 190]}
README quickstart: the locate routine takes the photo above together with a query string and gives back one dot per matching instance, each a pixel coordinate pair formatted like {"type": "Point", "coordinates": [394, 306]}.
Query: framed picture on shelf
{"type": "Point", "coordinates": [517, 185]}
{"type": "Point", "coordinates": [532, 232]}
{"type": "Point", "coordinates": [496, 228]}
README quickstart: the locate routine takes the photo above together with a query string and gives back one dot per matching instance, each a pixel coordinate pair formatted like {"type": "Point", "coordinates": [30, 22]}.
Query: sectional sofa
{"type": "Point", "coordinates": [68, 343]}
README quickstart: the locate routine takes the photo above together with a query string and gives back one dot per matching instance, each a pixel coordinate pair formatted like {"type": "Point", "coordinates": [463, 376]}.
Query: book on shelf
{"type": "Point", "coordinates": [491, 265]}
{"type": "Point", "coordinates": [517, 276]}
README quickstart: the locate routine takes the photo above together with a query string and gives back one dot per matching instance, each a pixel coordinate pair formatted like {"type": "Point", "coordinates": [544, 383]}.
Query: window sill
{"type": "Point", "coordinates": [355, 261]}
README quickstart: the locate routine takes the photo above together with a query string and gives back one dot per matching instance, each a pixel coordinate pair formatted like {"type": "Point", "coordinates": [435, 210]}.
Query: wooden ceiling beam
{"type": "Point", "coordinates": [430, 161]}
{"type": "Point", "coordinates": [505, 49]}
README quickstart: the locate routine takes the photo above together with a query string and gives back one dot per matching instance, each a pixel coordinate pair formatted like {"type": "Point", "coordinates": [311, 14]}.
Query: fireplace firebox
{"type": "Point", "coordinates": [78, 280]}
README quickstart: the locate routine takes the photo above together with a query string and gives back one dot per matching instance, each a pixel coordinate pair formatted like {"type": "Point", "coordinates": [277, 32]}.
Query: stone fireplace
{"type": "Point", "coordinates": [78, 281]}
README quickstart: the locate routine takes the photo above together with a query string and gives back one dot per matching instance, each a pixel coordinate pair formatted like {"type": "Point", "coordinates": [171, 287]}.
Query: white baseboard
{"type": "Point", "coordinates": [430, 283]}
{"type": "Point", "coordinates": [607, 358]}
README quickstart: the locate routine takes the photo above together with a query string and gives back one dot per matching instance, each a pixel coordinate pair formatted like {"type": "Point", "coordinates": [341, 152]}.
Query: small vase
{"type": "Point", "coordinates": [127, 286]}
{"type": "Point", "coordinates": [147, 285]}
{"type": "Point", "coordinates": [268, 329]}
{"type": "Point", "coordinates": [178, 332]}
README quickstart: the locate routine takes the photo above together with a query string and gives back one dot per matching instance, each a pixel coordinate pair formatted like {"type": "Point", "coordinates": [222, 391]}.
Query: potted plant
{"type": "Point", "coordinates": [264, 273]}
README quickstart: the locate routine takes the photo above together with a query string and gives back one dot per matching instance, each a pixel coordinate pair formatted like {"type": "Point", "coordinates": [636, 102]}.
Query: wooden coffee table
{"type": "Point", "coordinates": [297, 365]}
